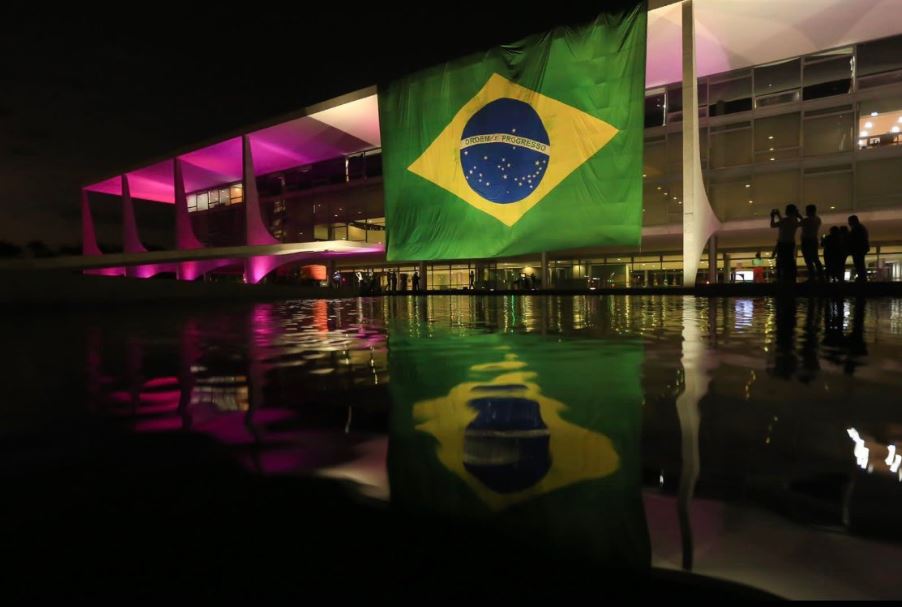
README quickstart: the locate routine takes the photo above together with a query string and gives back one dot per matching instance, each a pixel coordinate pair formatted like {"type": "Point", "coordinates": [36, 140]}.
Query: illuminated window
{"type": "Point", "coordinates": [236, 193]}
{"type": "Point", "coordinates": [880, 122]}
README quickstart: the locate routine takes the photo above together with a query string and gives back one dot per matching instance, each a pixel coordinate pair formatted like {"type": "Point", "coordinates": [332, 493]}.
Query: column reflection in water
{"type": "Point", "coordinates": [522, 436]}
{"type": "Point", "coordinates": [698, 361]}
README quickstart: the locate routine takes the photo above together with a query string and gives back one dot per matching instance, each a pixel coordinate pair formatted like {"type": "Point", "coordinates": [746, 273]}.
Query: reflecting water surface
{"type": "Point", "coordinates": [752, 440]}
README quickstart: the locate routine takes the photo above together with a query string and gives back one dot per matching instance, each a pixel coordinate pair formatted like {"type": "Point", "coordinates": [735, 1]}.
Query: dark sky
{"type": "Point", "coordinates": [84, 95]}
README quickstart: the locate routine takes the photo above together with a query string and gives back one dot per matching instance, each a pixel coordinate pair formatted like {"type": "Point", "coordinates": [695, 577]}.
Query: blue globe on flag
{"type": "Point", "coordinates": [504, 151]}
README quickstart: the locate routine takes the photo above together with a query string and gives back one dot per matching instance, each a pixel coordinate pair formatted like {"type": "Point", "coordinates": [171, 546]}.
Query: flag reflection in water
{"type": "Point", "coordinates": [533, 437]}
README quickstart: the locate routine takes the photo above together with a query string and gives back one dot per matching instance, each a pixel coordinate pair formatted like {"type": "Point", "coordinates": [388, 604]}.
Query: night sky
{"type": "Point", "coordinates": [86, 95]}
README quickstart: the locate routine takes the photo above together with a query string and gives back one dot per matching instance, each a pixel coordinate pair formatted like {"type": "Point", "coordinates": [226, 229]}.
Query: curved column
{"type": "Point", "coordinates": [255, 268]}
{"type": "Point", "coordinates": [131, 241]}
{"type": "Point", "coordinates": [255, 230]}
{"type": "Point", "coordinates": [88, 235]}
{"type": "Point", "coordinates": [185, 239]}
{"type": "Point", "coordinates": [184, 233]}
{"type": "Point", "coordinates": [699, 220]}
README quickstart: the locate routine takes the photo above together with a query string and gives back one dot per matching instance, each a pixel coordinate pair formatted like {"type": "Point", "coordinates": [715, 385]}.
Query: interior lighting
{"type": "Point", "coordinates": [873, 113]}
{"type": "Point", "coordinates": [868, 125]}
{"type": "Point", "coordinates": [863, 134]}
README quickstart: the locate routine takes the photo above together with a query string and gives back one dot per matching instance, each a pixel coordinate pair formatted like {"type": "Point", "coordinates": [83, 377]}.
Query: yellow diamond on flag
{"type": "Point", "coordinates": [468, 158]}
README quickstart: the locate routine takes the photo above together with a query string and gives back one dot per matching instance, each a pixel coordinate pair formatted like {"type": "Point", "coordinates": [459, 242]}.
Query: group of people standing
{"type": "Point", "coordinates": [838, 244]}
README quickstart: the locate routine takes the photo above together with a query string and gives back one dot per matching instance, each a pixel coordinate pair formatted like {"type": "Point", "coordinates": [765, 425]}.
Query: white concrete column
{"type": "Point", "coordinates": [545, 282]}
{"type": "Point", "coordinates": [699, 220]}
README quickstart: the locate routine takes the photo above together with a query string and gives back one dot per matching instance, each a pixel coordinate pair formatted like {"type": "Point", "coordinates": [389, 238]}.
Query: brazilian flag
{"type": "Point", "coordinates": [529, 147]}
{"type": "Point", "coordinates": [531, 437]}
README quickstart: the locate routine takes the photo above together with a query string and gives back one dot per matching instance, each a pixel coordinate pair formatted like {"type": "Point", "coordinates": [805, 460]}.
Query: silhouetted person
{"type": "Point", "coordinates": [393, 281]}
{"type": "Point", "coordinates": [843, 252]}
{"type": "Point", "coordinates": [856, 348]}
{"type": "Point", "coordinates": [809, 347]}
{"type": "Point", "coordinates": [416, 280]}
{"type": "Point", "coordinates": [831, 243]}
{"type": "Point", "coordinates": [785, 359]}
{"type": "Point", "coordinates": [786, 242]}
{"type": "Point", "coordinates": [472, 279]}
{"type": "Point", "coordinates": [858, 247]}
{"type": "Point", "coordinates": [811, 227]}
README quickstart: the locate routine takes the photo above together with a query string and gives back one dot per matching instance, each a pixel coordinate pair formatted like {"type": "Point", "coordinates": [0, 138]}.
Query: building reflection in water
{"type": "Point", "coordinates": [525, 413]}
{"type": "Point", "coordinates": [237, 376]}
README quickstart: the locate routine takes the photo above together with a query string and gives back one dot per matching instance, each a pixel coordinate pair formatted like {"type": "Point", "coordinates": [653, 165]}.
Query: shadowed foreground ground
{"type": "Point", "coordinates": [91, 512]}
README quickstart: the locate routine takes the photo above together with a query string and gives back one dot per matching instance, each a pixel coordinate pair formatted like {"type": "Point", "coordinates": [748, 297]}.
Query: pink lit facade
{"type": "Point", "coordinates": [277, 157]}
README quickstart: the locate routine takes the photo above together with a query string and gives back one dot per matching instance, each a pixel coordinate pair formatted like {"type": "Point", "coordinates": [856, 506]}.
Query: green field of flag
{"type": "Point", "coordinates": [528, 147]}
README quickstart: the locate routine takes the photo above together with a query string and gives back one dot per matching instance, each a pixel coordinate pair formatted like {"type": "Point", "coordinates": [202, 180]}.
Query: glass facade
{"type": "Point", "coordinates": [823, 129]}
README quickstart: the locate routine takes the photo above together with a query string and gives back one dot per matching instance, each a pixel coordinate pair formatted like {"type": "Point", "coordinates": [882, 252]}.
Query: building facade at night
{"type": "Point", "coordinates": [796, 104]}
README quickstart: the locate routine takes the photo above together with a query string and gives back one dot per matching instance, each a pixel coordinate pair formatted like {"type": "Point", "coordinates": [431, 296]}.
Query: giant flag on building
{"type": "Point", "coordinates": [528, 147]}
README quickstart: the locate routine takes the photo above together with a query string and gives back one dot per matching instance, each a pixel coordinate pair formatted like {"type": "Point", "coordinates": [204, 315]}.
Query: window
{"type": "Point", "coordinates": [224, 196]}
{"type": "Point", "coordinates": [880, 122]}
{"type": "Point", "coordinates": [192, 202]}
{"type": "Point", "coordinates": [213, 198]}
{"type": "Point", "coordinates": [730, 96]}
{"type": "Point", "coordinates": [830, 189]}
{"type": "Point", "coordinates": [731, 145]}
{"type": "Point", "coordinates": [730, 198]}
{"type": "Point", "coordinates": [777, 138]}
{"type": "Point", "coordinates": [675, 102]}
{"type": "Point", "coordinates": [654, 157]}
{"type": "Point", "coordinates": [778, 77]}
{"type": "Point", "coordinates": [202, 201]}
{"type": "Point", "coordinates": [877, 183]}
{"type": "Point", "coordinates": [654, 108]}
{"type": "Point", "coordinates": [879, 62]}
{"type": "Point", "coordinates": [236, 193]}
{"type": "Point", "coordinates": [778, 83]}
{"type": "Point", "coordinates": [661, 204]}
{"type": "Point", "coordinates": [827, 74]}
{"type": "Point", "coordinates": [828, 131]}
{"type": "Point", "coordinates": [774, 191]}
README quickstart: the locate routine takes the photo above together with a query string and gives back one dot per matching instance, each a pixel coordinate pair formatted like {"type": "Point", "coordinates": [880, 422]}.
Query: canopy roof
{"type": "Point", "coordinates": [730, 34]}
